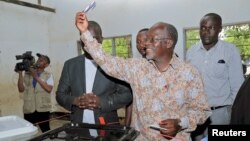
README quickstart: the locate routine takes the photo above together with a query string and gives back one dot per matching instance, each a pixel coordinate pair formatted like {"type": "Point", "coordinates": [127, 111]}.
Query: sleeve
{"type": "Point", "coordinates": [50, 80]}
{"type": "Point", "coordinates": [121, 97]}
{"type": "Point", "coordinates": [198, 108]}
{"type": "Point", "coordinates": [113, 66]}
{"type": "Point", "coordinates": [63, 90]}
{"type": "Point", "coordinates": [236, 76]}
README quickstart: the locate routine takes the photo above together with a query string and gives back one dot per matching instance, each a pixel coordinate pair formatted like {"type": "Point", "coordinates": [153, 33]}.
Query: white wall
{"type": "Point", "coordinates": [24, 29]}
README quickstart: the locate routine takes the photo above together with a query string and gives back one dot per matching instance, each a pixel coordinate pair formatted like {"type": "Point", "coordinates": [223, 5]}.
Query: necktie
{"type": "Point", "coordinates": [34, 80]}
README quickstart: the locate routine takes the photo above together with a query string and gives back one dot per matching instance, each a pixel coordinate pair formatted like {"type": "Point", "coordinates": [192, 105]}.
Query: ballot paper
{"type": "Point", "coordinates": [156, 127]}
{"type": "Point", "coordinates": [91, 6]}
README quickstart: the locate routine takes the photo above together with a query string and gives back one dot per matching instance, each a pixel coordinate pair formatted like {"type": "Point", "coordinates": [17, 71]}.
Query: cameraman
{"type": "Point", "coordinates": [37, 85]}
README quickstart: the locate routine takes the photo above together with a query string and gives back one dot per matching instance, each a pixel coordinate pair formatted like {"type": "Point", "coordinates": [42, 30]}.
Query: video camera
{"type": "Point", "coordinates": [27, 63]}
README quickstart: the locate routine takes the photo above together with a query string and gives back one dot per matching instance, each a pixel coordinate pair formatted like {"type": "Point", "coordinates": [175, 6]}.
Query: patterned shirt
{"type": "Point", "coordinates": [176, 93]}
{"type": "Point", "coordinates": [221, 69]}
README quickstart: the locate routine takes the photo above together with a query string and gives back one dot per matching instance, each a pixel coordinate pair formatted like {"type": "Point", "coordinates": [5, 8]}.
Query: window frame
{"type": "Point", "coordinates": [221, 36]}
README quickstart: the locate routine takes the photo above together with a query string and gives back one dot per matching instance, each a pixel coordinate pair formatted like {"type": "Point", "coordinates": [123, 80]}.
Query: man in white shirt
{"type": "Point", "coordinates": [219, 63]}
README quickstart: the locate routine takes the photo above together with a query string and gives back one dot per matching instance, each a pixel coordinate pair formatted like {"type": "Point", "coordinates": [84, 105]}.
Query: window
{"type": "Point", "coordinates": [238, 34]}
{"type": "Point", "coordinates": [116, 46]}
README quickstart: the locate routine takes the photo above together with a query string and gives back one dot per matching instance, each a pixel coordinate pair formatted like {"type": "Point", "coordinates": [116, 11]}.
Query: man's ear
{"type": "Point", "coordinates": [170, 43]}
{"type": "Point", "coordinates": [220, 29]}
{"type": "Point", "coordinates": [101, 39]}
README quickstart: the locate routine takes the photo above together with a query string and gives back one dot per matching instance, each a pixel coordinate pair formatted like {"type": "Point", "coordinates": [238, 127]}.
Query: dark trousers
{"type": "Point", "coordinates": [198, 133]}
{"type": "Point", "coordinates": [37, 117]}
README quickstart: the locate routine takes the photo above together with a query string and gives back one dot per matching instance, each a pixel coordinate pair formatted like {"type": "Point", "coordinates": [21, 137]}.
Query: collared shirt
{"type": "Point", "coordinates": [176, 93]}
{"type": "Point", "coordinates": [90, 72]}
{"type": "Point", "coordinates": [221, 69]}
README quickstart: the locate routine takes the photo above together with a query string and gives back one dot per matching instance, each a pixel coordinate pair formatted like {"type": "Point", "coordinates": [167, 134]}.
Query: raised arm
{"type": "Point", "coordinates": [113, 66]}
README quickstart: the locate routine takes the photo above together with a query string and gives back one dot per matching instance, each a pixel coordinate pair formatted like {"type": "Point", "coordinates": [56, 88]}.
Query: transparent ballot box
{"type": "Point", "coordinates": [14, 128]}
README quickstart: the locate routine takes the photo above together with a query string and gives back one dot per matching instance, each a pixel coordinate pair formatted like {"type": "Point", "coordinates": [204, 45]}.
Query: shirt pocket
{"type": "Point", "coordinates": [219, 69]}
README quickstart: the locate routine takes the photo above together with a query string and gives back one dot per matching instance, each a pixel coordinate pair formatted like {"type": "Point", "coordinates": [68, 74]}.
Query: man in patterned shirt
{"type": "Point", "coordinates": [166, 91]}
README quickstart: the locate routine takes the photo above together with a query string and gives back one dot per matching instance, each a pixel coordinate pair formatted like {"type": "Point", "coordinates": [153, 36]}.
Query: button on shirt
{"type": "Point", "coordinates": [176, 93]}
{"type": "Point", "coordinates": [221, 69]}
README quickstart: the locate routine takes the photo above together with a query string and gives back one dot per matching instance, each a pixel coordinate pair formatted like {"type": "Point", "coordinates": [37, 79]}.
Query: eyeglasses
{"type": "Point", "coordinates": [153, 40]}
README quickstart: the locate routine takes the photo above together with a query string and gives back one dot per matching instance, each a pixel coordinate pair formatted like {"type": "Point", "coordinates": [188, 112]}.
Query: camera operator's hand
{"type": "Point", "coordinates": [20, 73]}
{"type": "Point", "coordinates": [42, 83]}
{"type": "Point", "coordinates": [20, 82]}
{"type": "Point", "coordinates": [33, 73]}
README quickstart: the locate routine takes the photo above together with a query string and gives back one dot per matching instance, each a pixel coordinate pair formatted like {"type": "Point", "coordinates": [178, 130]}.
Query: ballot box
{"type": "Point", "coordinates": [14, 128]}
{"type": "Point", "coordinates": [80, 132]}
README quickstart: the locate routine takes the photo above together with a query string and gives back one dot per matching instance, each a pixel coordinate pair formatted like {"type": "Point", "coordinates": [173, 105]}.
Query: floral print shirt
{"type": "Point", "coordinates": [176, 93]}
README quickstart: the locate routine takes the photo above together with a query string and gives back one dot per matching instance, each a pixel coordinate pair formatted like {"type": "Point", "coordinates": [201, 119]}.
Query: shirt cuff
{"type": "Point", "coordinates": [184, 123]}
{"type": "Point", "coordinates": [86, 36]}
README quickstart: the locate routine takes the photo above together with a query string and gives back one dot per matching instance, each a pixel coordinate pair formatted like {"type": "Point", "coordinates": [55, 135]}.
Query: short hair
{"type": "Point", "coordinates": [172, 31]}
{"type": "Point", "coordinates": [45, 56]}
{"type": "Point", "coordinates": [96, 26]}
{"type": "Point", "coordinates": [214, 16]}
{"type": "Point", "coordinates": [144, 29]}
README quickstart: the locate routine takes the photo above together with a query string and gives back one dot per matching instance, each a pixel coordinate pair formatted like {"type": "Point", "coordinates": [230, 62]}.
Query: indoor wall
{"type": "Point", "coordinates": [28, 29]}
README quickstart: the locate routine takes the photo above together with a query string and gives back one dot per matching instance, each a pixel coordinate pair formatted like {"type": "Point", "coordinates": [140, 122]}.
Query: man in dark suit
{"type": "Point", "coordinates": [240, 110]}
{"type": "Point", "coordinates": [86, 91]}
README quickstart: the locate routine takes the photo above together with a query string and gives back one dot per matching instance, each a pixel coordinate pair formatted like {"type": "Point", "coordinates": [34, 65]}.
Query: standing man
{"type": "Point", "coordinates": [89, 93]}
{"type": "Point", "coordinates": [37, 85]}
{"type": "Point", "coordinates": [141, 41]}
{"type": "Point", "coordinates": [219, 63]}
{"type": "Point", "coordinates": [166, 91]}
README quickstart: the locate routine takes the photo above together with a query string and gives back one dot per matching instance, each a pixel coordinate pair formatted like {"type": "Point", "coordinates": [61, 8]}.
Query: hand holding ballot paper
{"type": "Point", "coordinates": [169, 126]}
{"type": "Point", "coordinates": [81, 25]}
{"type": "Point", "coordinates": [156, 127]}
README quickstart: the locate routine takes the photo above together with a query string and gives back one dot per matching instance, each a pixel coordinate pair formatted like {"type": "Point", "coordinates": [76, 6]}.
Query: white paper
{"type": "Point", "coordinates": [156, 127]}
{"type": "Point", "coordinates": [91, 6]}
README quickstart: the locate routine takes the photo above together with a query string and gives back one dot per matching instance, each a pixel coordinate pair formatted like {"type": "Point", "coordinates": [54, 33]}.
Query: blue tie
{"type": "Point", "coordinates": [34, 80]}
